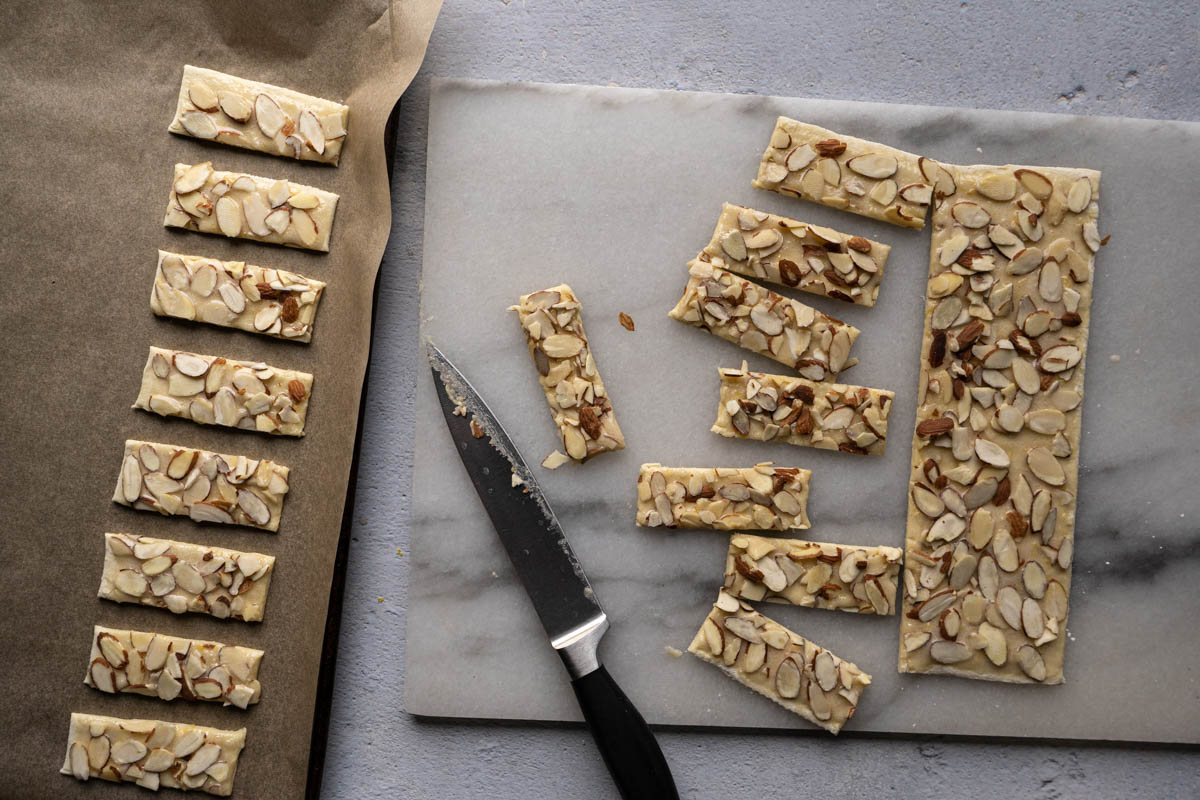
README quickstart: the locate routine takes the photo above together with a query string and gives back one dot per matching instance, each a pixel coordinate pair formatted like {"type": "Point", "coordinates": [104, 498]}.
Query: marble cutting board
{"type": "Point", "coordinates": [613, 190]}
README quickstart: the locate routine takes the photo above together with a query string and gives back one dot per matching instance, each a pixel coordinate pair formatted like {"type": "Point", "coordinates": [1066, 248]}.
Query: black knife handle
{"type": "Point", "coordinates": [629, 748]}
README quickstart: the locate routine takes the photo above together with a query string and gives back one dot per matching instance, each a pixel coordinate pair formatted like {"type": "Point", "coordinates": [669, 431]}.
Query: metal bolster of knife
{"type": "Point", "coordinates": [578, 646]}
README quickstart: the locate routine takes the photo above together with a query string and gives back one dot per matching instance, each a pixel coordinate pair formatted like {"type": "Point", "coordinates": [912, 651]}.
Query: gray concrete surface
{"type": "Point", "coordinates": [1098, 57]}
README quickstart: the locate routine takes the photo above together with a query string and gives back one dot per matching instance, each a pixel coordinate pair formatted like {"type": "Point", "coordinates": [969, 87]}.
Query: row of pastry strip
{"type": "Point", "coordinates": [207, 486]}
{"type": "Point", "coordinates": [757, 652]}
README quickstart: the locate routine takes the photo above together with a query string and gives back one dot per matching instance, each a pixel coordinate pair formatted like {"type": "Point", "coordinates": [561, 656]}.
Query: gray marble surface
{"type": "Point", "coordinates": [1107, 59]}
{"type": "Point", "coordinates": [609, 197]}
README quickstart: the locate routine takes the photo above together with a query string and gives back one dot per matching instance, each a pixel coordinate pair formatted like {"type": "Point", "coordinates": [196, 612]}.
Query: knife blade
{"type": "Point", "coordinates": [556, 583]}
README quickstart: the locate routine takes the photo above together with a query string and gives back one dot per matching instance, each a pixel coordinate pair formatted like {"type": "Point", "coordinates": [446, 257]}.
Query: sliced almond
{"type": "Point", "coordinates": [874, 165]}
{"type": "Point", "coordinates": [193, 178]}
{"type": "Point", "coordinates": [229, 216]}
{"type": "Point", "coordinates": [199, 124]}
{"type": "Point", "coordinates": [268, 115]}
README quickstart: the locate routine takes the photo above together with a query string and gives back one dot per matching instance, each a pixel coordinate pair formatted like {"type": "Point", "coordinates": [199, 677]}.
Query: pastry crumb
{"type": "Point", "coordinates": [673, 652]}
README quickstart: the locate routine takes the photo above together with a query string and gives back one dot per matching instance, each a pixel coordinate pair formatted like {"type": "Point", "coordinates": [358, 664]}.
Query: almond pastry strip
{"type": "Point", "coordinates": [782, 666]}
{"type": "Point", "coordinates": [567, 371]}
{"type": "Point", "coordinates": [183, 577]}
{"type": "Point", "coordinates": [829, 416]}
{"type": "Point", "coordinates": [259, 116]}
{"type": "Point", "coordinates": [734, 309]}
{"type": "Point", "coordinates": [234, 294]}
{"type": "Point", "coordinates": [995, 456]}
{"type": "Point", "coordinates": [850, 174]}
{"type": "Point", "coordinates": [762, 497]}
{"type": "Point", "coordinates": [813, 574]}
{"type": "Point", "coordinates": [170, 667]}
{"type": "Point", "coordinates": [206, 486]}
{"type": "Point", "coordinates": [217, 391]}
{"type": "Point", "coordinates": [243, 206]}
{"type": "Point", "coordinates": [799, 255]}
{"type": "Point", "coordinates": [153, 753]}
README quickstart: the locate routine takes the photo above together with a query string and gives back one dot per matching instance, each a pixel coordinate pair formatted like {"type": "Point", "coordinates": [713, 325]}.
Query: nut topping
{"type": "Point", "coordinates": [792, 253]}
{"type": "Point", "coordinates": [769, 659]}
{"type": "Point", "coordinates": [850, 174]}
{"type": "Point", "coordinates": [990, 538]}
{"type": "Point", "coordinates": [153, 754]}
{"type": "Point", "coordinates": [567, 372]}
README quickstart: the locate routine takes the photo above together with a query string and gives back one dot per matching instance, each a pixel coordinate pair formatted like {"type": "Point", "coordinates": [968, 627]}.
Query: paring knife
{"type": "Point", "coordinates": [556, 584]}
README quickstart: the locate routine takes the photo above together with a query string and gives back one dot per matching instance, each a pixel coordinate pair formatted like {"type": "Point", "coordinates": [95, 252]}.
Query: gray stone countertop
{"type": "Point", "coordinates": [1092, 57]}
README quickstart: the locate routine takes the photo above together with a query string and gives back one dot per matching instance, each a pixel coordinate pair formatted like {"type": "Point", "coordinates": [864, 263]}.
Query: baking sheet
{"type": "Point", "coordinates": [90, 89]}
{"type": "Point", "coordinates": [613, 190]}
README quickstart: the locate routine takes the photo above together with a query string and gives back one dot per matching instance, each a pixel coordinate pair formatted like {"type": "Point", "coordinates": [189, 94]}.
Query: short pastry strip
{"type": "Point", "coordinates": [234, 294]}
{"type": "Point", "coordinates": [567, 371]}
{"type": "Point", "coordinates": [734, 309]}
{"type": "Point", "coordinates": [183, 577]}
{"type": "Point", "coordinates": [206, 486]}
{"type": "Point", "coordinates": [170, 667]}
{"type": "Point", "coordinates": [797, 254]}
{"type": "Point", "coordinates": [763, 497]}
{"type": "Point", "coordinates": [259, 116]}
{"type": "Point", "coordinates": [244, 206]}
{"type": "Point", "coordinates": [850, 174]}
{"type": "Point", "coordinates": [153, 753]}
{"type": "Point", "coordinates": [813, 574]}
{"type": "Point", "coordinates": [766, 657]}
{"type": "Point", "coordinates": [212, 390]}
{"type": "Point", "coordinates": [995, 458]}
{"type": "Point", "coordinates": [829, 416]}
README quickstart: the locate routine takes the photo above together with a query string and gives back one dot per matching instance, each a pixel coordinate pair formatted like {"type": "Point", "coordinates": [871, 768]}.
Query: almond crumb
{"type": "Point", "coordinates": [554, 460]}
{"type": "Point", "coordinates": [626, 321]}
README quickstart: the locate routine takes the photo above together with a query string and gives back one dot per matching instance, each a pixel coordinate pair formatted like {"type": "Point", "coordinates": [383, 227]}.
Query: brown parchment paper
{"type": "Point", "coordinates": [86, 93]}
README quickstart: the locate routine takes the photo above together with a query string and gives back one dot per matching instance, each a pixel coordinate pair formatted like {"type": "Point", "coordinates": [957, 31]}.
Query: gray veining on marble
{"type": "Point", "coordinates": [611, 196]}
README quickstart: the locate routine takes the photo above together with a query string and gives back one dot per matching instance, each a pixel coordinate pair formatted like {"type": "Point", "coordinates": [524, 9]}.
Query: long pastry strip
{"type": "Point", "coordinates": [169, 667]}
{"type": "Point", "coordinates": [212, 390]}
{"type": "Point", "coordinates": [553, 324]}
{"type": "Point", "coordinates": [829, 416]}
{"type": "Point", "coordinates": [991, 513]}
{"type": "Point", "coordinates": [183, 577]}
{"type": "Point", "coordinates": [245, 206]}
{"type": "Point", "coordinates": [851, 174]}
{"type": "Point", "coordinates": [153, 753]}
{"type": "Point", "coordinates": [734, 309]}
{"type": "Point", "coordinates": [813, 574]}
{"type": "Point", "coordinates": [797, 254]}
{"type": "Point", "coordinates": [206, 486]}
{"type": "Point", "coordinates": [259, 116]}
{"type": "Point", "coordinates": [766, 657]}
{"type": "Point", "coordinates": [762, 497]}
{"type": "Point", "coordinates": [234, 294]}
